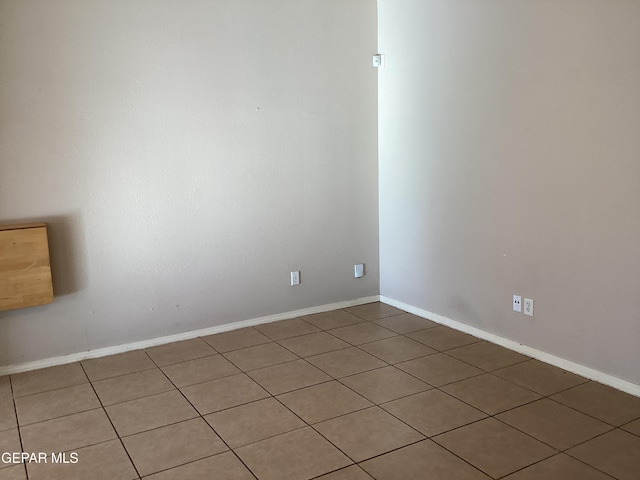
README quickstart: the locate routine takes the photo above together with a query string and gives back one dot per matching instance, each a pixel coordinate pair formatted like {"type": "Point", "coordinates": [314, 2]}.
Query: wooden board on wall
{"type": "Point", "coordinates": [25, 271]}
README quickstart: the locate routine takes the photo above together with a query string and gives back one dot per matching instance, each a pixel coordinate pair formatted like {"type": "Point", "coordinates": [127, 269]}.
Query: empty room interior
{"type": "Point", "coordinates": [319, 239]}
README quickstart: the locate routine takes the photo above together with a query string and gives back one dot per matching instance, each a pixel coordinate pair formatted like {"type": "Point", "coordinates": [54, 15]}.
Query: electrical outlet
{"type": "Point", "coordinates": [295, 278]}
{"type": "Point", "coordinates": [358, 270]}
{"type": "Point", "coordinates": [517, 303]}
{"type": "Point", "coordinates": [528, 307]}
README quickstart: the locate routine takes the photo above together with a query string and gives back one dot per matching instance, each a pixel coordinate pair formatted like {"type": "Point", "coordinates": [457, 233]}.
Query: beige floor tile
{"type": "Point", "coordinates": [346, 362]}
{"type": "Point", "coordinates": [633, 427]}
{"type": "Point", "coordinates": [298, 455]}
{"type": "Point", "coordinates": [151, 412]}
{"type": "Point", "coordinates": [559, 467]}
{"type": "Point", "coordinates": [56, 403]}
{"type": "Point", "coordinates": [132, 386]}
{"type": "Point", "coordinates": [364, 332]}
{"type": "Point", "coordinates": [199, 370]}
{"type": "Point", "coordinates": [490, 394]}
{"type": "Point", "coordinates": [367, 433]}
{"type": "Point", "coordinates": [16, 472]}
{"type": "Point", "coordinates": [439, 369]}
{"type": "Point", "coordinates": [5, 386]}
{"type": "Point", "coordinates": [603, 402]}
{"type": "Point", "coordinates": [374, 311]}
{"type": "Point", "coordinates": [433, 412]}
{"type": "Point", "coordinates": [260, 356]}
{"type": "Point", "coordinates": [322, 402]}
{"type": "Point", "coordinates": [616, 453]}
{"type": "Point", "coordinates": [236, 339]}
{"type": "Point", "coordinates": [114, 365]}
{"type": "Point", "coordinates": [487, 356]}
{"type": "Point", "coordinates": [384, 384]}
{"type": "Point", "coordinates": [253, 422]}
{"type": "Point", "coordinates": [288, 376]}
{"type": "Point", "coordinates": [180, 351]}
{"type": "Point", "coordinates": [7, 410]}
{"type": "Point", "coordinates": [313, 344]}
{"type": "Point", "coordinates": [405, 323]}
{"type": "Point", "coordinates": [9, 442]}
{"type": "Point", "coordinates": [397, 349]}
{"type": "Point", "coordinates": [554, 424]}
{"type": "Point", "coordinates": [104, 461]}
{"type": "Point", "coordinates": [224, 393]}
{"type": "Point", "coordinates": [67, 433]}
{"type": "Point", "coordinates": [286, 329]}
{"type": "Point", "coordinates": [172, 446]}
{"type": "Point", "coordinates": [353, 472]}
{"type": "Point", "coordinates": [223, 466]}
{"type": "Point", "coordinates": [333, 319]}
{"type": "Point", "coordinates": [443, 338]}
{"type": "Point", "coordinates": [494, 447]}
{"type": "Point", "coordinates": [420, 461]}
{"type": "Point", "coordinates": [38, 381]}
{"type": "Point", "coordinates": [540, 377]}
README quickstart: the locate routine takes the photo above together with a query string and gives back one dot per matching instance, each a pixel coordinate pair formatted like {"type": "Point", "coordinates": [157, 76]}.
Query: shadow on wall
{"type": "Point", "coordinates": [67, 250]}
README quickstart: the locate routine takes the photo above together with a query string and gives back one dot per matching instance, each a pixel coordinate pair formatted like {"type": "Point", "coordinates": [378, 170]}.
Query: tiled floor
{"type": "Point", "coordinates": [355, 394]}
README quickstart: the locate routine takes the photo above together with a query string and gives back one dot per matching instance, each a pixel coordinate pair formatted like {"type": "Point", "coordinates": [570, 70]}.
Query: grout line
{"type": "Point", "coordinates": [18, 429]}
{"type": "Point", "coordinates": [201, 416]}
{"type": "Point", "coordinates": [112, 425]}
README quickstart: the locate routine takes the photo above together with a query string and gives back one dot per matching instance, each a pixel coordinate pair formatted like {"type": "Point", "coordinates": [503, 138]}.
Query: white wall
{"type": "Point", "coordinates": [187, 155]}
{"type": "Point", "coordinates": [510, 164]}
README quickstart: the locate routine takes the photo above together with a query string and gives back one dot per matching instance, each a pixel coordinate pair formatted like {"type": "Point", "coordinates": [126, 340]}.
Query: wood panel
{"type": "Point", "coordinates": [25, 271]}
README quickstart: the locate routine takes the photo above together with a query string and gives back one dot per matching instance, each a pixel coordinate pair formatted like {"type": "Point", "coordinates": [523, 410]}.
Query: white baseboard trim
{"type": "Point", "coordinates": [103, 352]}
{"type": "Point", "coordinates": [562, 363]}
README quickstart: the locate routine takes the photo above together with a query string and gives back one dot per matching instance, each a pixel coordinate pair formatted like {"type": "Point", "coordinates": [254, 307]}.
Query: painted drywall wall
{"type": "Point", "coordinates": [187, 156]}
{"type": "Point", "coordinates": [510, 164]}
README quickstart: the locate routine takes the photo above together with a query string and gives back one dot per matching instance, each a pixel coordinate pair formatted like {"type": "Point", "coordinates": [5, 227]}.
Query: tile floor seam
{"type": "Point", "coordinates": [201, 416]}
{"type": "Point", "coordinates": [52, 390]}
{"type": "Point", "coordinates": [585, 413]}
{"type": "Point", "coordinates": [254, 369]}
{"type": "Point", "coordinates": [62, 416]}
{"type": "Point", "coordinates": [476, 366]}
{"type": "Point", "coordinates": [374, 319]}
{"type": "Point", "coordinates": [589, 465]}
{"type": "Point", "coordinates": [542, 395]}
{"type": "Point", "coordinates": [355, 462]}
{"type": "Point", "coordinates": [494, 416]}
{"type": "Point", "coordinates": [174, 363]}
{"type": "Point", "coordinates": [319, 433]}
{"type": "Point", "coordinates": [119, 375]}
{"type": "Point", "coordinates": [579, 411]}
{"type": "Point", "coordinates": [235, 349]}
{"type": "Point", "coordinates": [543, 460]}
{"type": "Point", "coordinates": [433, 439]}
{"type": "Point", "coordinates": [112, 425]}
{"type": "Point", "coordinates": [198, 460]}
{"type": "Point", "coordinates": [478, 408]}
{"type": "Point", "coordinates": [15, 413]}
{"type": "Point", "coordinates": [629, 423]}
{"type": "Point", "coordinates": [293, 336]}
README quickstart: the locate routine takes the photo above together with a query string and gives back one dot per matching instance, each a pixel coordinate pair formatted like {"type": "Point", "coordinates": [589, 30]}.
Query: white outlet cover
{"type": "Point", "coordinates": [517, 303]}
{"type": "Point", "coordinates": [528, 307]}
{"type": "Point", "coordinates": [295, 278]}
{"type": "Point", "coordinates": [358, 270]}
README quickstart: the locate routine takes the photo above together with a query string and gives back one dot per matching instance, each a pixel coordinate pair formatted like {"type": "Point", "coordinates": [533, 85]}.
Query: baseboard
{"type": "Point", "coordinates": [568, 365]}
{"type": "Point", "coordinates": [103, 352]}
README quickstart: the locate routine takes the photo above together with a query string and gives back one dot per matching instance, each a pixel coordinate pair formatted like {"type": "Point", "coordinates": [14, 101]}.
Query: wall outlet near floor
{"type": "Point", "coordinates": [517, 303]}
{"type": "Point", "coordinates": [295, 278]}
{"type": "Point", "coordinates": [358, 270]}
{"type": "Point", "coordinates": [528, 307]}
